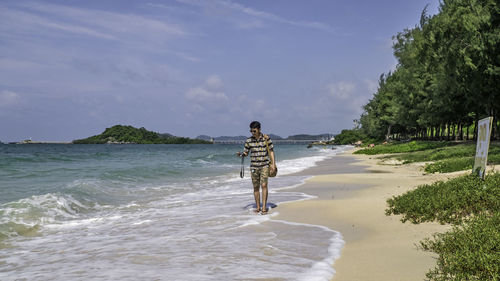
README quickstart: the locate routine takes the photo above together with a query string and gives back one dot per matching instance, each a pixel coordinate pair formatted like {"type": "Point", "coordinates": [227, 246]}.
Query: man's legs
{"type": "Point", "coordinates": [260, 178]}
{"type": "Point", "coordinates": [256, 195]}
{"type": "Point", "coordinates": [264, 175]}
{"type": "Point", "coordinates": [264, 197]}
{"type": "Point", "coordinates": [256, 188]}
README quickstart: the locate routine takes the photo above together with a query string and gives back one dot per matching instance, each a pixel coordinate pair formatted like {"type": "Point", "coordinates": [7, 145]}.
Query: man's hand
{"type": "Point", "coordinates": [273, 168]}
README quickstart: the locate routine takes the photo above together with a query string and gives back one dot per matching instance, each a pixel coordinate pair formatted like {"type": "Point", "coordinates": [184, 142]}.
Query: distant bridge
{"type": "Point", "coordinates": [274, 141]}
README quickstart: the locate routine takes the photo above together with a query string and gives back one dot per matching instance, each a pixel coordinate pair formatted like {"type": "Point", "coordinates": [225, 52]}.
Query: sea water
{"type": "Point", "coordinates": [153, 212]}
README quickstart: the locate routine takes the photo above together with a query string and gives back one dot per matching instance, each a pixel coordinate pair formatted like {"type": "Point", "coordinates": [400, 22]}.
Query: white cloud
{"type": "Point", "coordinates": [371, 85]}
{"type": "Point", "coordinates": [9, 98]}
{"type": "Point", "coordinates": [115, 22]}
{"type": "Point", "coordinates": [202, 95]}
{"type": "Point", "coordinates": [209, 92]}
{"type": "Point", "coordinates": [51, 21]}
{"type": "Point", "coordinates": [208, 97]}
{"type": "Point", "coordinates": [214, 82]}
{"type": "Point", "coordinates": [340, 102]}
{"type": "Point", "coordinates": [209, 100]}
{"type": "Point", "coordinates": [258, 14]}
{"type": "Point", "coordinates": [273, 17]}
{"type": "Point", "coordinates": [341, 90]}
{"type": "Point", "coordinates": [20, 21]}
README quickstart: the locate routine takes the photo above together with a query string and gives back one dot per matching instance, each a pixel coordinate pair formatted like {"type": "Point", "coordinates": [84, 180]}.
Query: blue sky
{"type": "Point", "coordinates": [69, 69]}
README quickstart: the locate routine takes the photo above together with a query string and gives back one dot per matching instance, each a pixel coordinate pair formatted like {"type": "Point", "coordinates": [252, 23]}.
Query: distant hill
{"type": "Point", "coordinates": [204, 137]}
{"type": "Point", "coordinates": [129, 134]}
{"type": "Point", "coordinates": [227, 138]}
{"type": "Point", "coordinates": [273, 137]}
{"type": "Point", "coordinates": [232, 138]}
{"type": "Point", "coordinates": [309, 137]}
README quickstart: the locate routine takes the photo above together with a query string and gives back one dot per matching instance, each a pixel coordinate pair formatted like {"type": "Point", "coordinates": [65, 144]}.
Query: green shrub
{"type": "Point", "coordinates": [449, 157]}
{"type": "Point", "coordinates": [450, 151]}
{"type": "Point", "coordinates": [450, 165]}
{"type": "Point", "coordinates": [453, 150]}
{"type": "Point", "coordinates": [468, 252]}
{"type": "Point", "coordinates": [351, 137]}
{"type": "Point", "coordinates": [403, 147]}
{"type": "Point", "coordinates": [460, 164]}
{"type": "Point", "coordinates": [471, 250]}
{"type": "Point", "coordinates": [448, 202]}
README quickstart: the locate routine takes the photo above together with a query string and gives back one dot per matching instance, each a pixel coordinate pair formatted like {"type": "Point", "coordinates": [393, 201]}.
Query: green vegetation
{"type": "Point", "coordinates": [459, 164]}
{"type": "Point", "coordinates": [446, 156]}
{"type": "Point", "coordinates": [450, 165]}
{"type": "Point", "coordinates": [452, 150]}
{"type": "Point", "coordinates": [446, 79]}
{"type": "Point", "coordinates": [450, 201]}
{"type": "Point", "coordinates": [403, 147]}
{"type": "Point", "coordinates": [129, 134]}
{"type": "Point", "coordinates": [351, 137]}
{"type": "Point", "coordinates": [470, 251]}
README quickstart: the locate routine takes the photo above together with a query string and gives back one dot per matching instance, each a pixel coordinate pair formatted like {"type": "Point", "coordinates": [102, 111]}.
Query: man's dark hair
{"type": "Point", "coordinates": [255, 125]}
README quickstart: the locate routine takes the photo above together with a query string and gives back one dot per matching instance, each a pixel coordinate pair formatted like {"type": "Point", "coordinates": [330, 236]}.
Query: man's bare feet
{"type": "Point", "coordinates": [264, 212]}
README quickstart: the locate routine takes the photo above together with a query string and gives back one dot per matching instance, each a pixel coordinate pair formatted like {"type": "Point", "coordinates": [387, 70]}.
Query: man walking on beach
{"type": "Point", "coordinates": [261, 162]}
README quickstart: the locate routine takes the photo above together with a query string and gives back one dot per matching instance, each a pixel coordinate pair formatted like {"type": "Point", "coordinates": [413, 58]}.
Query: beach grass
{"type": "Point", "coordinates": [445, 156]}
{"type": "Point", "coordinates": [450, 165]}
{"type": "Point", "coordinates": [470, 250]}
{"type": "Point", "coordinates": [449, 201]}
{"type": "Point", "coordinates": [402, 147]}
{"type": "Point", "coordinates": [459, 163]}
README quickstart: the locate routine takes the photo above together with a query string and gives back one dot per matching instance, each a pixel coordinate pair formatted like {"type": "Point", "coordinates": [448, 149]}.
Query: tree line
{"type": "Point", "coordinates": [447, 77]}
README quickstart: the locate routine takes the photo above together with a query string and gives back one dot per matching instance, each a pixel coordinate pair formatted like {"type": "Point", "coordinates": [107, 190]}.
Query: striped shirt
{"type": "Point", "coordinates": [259, 157]}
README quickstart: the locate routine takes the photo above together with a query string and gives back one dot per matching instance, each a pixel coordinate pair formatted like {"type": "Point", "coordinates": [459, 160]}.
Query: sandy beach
{"type": "Point", "coordinates": [351, 198]}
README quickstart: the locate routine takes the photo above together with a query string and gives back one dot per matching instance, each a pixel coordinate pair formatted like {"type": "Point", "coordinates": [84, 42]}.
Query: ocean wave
{"type": "Point", "coordinates": [162, 210]}
{"type": "Point", "coordinates": [25, 217]}
{"type": "Point", "coordinates": [299, 164]}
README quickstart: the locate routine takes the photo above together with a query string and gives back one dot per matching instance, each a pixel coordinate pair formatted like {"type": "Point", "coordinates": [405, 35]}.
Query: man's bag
{"type": "Point", "coordinates": [275, 172]}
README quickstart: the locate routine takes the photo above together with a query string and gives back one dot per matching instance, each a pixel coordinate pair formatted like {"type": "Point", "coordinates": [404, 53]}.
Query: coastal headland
{"type": "Point", "coordinates": [351, 198]}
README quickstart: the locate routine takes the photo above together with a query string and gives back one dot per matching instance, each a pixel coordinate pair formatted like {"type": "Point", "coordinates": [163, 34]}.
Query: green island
{"type": "Point", "coordinates": [120, 134]}
{"type": "Point", "coordinates": [471, 249]}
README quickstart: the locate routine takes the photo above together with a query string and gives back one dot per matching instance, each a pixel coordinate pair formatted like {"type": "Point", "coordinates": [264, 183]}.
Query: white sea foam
{"type": "Point", "coordinates": [286, 167]}
{"type": "Point", "coordinates": [255, 220]}
{"type": "Point", "coordinates": [322, 270]}
{"type": "Point", "coordinates": [296, 165]}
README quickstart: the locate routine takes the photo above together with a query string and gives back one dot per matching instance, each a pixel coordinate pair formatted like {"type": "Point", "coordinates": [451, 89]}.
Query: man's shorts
{"type": "Point", "coordinates": [259, 176]}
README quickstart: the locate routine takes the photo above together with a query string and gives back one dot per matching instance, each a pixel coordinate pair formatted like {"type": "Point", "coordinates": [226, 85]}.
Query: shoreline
{"type": "Point", "coordinates": [351, 198]}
